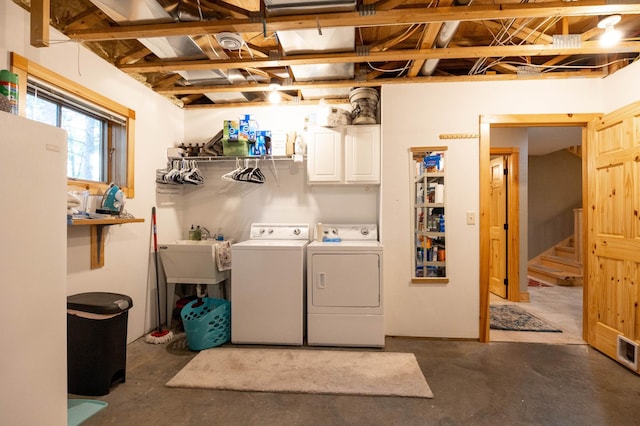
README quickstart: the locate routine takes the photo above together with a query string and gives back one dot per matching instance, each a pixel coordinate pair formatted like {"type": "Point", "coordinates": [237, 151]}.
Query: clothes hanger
{"type": "Point", "coordinates": [243, 175]}
{"type": "Point", "coordinates": [194, 176]}
{"type": "Point", "coordinates": [230, 176]}
{"type": "Point", "coordinates": [256, 175]}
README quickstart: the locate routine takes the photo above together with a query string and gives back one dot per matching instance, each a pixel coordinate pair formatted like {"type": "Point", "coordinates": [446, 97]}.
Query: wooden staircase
{"type": "Point", "coordinates": [562, 263]}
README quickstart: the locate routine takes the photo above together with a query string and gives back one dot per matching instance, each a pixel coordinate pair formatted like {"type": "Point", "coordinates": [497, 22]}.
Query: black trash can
{"type": "Point", "coordinates": [96, 342]}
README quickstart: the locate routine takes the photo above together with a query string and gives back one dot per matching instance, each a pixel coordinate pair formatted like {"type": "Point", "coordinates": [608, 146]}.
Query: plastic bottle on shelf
{"type": "Point", "coordinates": [9, 89]}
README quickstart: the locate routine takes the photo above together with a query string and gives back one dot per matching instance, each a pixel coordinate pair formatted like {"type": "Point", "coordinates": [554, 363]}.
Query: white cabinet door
{"type": "Point", "coordinates": [362, 154]}
{"type": "Point", "coordinates": [324, 156]}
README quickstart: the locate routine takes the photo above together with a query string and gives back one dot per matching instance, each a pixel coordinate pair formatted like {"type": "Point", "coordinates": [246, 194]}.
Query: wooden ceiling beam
{"type": "Point", "coordinates": [428, 38]}
{"type": "Point", "coordinates": [385, 68]}
{"type": "Point", "coordinates": [374, 83]}
{"type": "Point", "coordinates": [133, 56]}
{"type": "Point", "coordinates": [394, 39]}
{"type": "Point", "coordinates": [522, 33]}
{"type": "Point", "coordinates": [40, 13]}
{"type": "Point", "coordinates": [387, 4]}
{"type": "Point", "coordinates": [167, 82]}
{"type": "Point", "coordinates": [415, 15]}
{"type": "Point", "coordinates": [587, 48]}
{"type": "Point", "coordinates": [586, 36]}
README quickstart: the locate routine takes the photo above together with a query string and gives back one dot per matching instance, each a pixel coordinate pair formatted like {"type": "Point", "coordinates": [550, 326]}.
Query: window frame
{"type": "Point", "coordinates": [26, 68]}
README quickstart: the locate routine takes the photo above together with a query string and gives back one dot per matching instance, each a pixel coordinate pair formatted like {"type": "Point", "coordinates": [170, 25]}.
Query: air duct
{"type": "Point", "coordinates": [445, 35]}
{"type": "Point", "coordinates": [297, 7]}
{"type": "Point", "coordinates": [173, 47]}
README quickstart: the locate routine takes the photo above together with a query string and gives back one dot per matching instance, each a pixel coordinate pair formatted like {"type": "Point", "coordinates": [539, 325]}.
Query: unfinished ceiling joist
{"type": "Point", "coordinates": [589, 48]}
{"type": "Point", "coordinates": [324, 50]}
{"type": "Point", "coordinates": [412, 15]}
{"type": "Point", "coordinates": [39, 32]}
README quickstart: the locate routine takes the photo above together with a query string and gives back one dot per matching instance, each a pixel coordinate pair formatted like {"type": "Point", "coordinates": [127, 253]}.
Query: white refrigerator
{"type": "Point", "coordinates": [33, 251]}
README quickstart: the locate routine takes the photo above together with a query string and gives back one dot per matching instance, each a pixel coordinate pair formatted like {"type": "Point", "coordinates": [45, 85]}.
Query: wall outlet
{"type": "Point", "coordinates": [471, 218]}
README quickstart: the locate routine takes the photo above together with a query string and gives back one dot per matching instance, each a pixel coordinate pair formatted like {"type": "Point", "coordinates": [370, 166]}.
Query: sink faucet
{"type": "Point", "coordinates": [206, 234]}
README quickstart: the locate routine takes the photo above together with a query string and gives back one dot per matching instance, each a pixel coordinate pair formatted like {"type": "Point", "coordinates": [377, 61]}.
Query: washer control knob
{"type": "Point", "coordinates": [270, 231]}
{"type": "Point", "coordinates": [296, 231]}
{"type": "Point", "coordinates": [261, 231]}
{"type": "Point", "coordinates": [364, 231]}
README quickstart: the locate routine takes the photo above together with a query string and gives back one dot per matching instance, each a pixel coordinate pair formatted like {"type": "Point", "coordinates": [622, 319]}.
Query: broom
{"type": "Point", "coordinates": [158, 336]}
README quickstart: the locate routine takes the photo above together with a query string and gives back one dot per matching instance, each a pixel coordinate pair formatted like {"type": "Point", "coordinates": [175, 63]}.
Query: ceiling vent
{"type": "Point", "coordinates": [230, 41]}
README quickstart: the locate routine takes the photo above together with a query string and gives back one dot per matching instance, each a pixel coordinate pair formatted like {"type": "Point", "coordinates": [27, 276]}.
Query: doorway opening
{"type": "Point", "coordinates": [487, 124]}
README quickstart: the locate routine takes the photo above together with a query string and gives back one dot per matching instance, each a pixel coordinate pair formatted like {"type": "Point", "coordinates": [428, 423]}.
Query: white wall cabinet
{"type": "Point", "coordinates": [344, 155]}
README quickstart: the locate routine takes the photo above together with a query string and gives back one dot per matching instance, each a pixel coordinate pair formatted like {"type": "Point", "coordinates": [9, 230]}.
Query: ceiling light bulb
{"type": "Point", "coordinates": [274, 97]}
{"type": "Point", "coordinates": [610, 36]}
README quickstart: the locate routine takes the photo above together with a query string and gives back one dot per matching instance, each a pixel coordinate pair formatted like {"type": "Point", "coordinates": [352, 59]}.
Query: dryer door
{"type": "Point", "coordinates": [345, 280]}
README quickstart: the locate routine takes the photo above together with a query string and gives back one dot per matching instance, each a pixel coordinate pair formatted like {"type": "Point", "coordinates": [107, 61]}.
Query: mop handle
{"type": "Point", "coordinates": [155, 232]}
{"type": "Point", "coordinates": [155, 258]}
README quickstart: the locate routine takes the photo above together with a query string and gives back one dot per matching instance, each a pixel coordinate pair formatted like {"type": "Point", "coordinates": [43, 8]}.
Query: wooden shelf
{"type": "Point", "coordinates": [98, 235]}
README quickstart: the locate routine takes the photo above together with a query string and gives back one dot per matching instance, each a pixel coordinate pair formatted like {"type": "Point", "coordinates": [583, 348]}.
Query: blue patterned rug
{"type": "Point", "coordinates": [511, 317]}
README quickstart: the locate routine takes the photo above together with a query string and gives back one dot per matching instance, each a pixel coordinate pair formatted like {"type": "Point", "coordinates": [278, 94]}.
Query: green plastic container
{"type": "Point", "coordinates": [9, 89]}
{"type": "Point", "coordinates": [235, 148]}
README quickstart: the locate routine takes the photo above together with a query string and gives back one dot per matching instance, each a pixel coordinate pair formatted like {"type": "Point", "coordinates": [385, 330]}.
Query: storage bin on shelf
{"type": "Point", "coordinates": [207, 323]}
{"type": "Point", "coordinates": [235, 148]}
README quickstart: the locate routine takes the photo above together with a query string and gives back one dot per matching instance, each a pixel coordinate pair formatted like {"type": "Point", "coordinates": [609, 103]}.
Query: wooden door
{"type": "Point", "coordinates": [498, 231]}
{"type": "Point", "coordinates": [613, 236]}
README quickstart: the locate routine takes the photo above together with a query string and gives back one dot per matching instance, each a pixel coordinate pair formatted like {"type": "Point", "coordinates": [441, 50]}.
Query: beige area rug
{"type": "Point", "coordinates": [305, 371]}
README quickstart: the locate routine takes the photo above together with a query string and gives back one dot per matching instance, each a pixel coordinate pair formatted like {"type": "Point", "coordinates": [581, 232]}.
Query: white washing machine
{"type": "Point", "coordinates": [268, 280]}
{"type": "Point", "coordinates": [344, 287]}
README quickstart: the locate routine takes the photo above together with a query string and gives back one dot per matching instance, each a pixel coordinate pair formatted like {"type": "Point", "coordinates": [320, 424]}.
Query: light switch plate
{"type": "Point", "coordinates": [471, 218]}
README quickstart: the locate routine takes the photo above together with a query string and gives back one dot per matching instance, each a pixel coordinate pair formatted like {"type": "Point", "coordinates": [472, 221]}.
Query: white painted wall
{"type": "Point", "coordinates": [412, 115]}
{"type": "Point", "coordinates": [285, 197]}
{"type": "Point", "coordinates": [415, 115]}
{"type": "Point", "coordinates": [621, 88]}
{"type": "Point", "coordinates": [159, 123]}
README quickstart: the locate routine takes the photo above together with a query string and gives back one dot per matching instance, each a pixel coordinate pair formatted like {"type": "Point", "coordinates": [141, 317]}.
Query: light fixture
{"type": "Point", "coordinates": [610, 36]}
{"type": "Point", "coordinates": [274, 83]}
{"type": "Point", "coordinates": [230, 41]}
{"type": "Point", "coordinates": [274, 95]}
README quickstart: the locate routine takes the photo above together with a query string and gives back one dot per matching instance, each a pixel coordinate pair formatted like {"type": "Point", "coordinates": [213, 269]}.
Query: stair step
{"type": "Point", "coordinates": [554, 275]}
{"type": "Point", "coordinates": [562, 263]}
{"type": "Point", "coordinates": [566, 252]}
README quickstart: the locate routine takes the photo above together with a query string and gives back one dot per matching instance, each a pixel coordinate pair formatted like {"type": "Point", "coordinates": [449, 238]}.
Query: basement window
{"type": "Point", "coordinates": [100, 131]}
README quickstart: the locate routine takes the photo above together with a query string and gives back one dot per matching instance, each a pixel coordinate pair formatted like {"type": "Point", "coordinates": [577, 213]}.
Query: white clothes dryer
{"type": "Point", "coordinates": [268, 280]}
{"type": "Point", "coordinates": [344, 287]}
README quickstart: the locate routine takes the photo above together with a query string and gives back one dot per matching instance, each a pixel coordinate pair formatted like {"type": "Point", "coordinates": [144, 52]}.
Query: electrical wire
{"type": "Point", "coordinates": [549, 68]}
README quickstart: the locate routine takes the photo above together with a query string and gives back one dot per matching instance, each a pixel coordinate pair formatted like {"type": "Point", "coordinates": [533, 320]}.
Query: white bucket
{"type": "Point", "coordinates": [364, 101]}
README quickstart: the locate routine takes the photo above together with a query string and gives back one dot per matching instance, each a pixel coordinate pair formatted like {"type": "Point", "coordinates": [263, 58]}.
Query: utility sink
{"type": "Point", "coordinates": [190, 262]}
{"type": "Point", "coordinates": [198, 242]}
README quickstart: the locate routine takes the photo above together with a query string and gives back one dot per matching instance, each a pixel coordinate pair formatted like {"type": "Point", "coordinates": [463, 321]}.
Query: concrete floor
{"type": "Point", "coordinates": [473, 383]}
